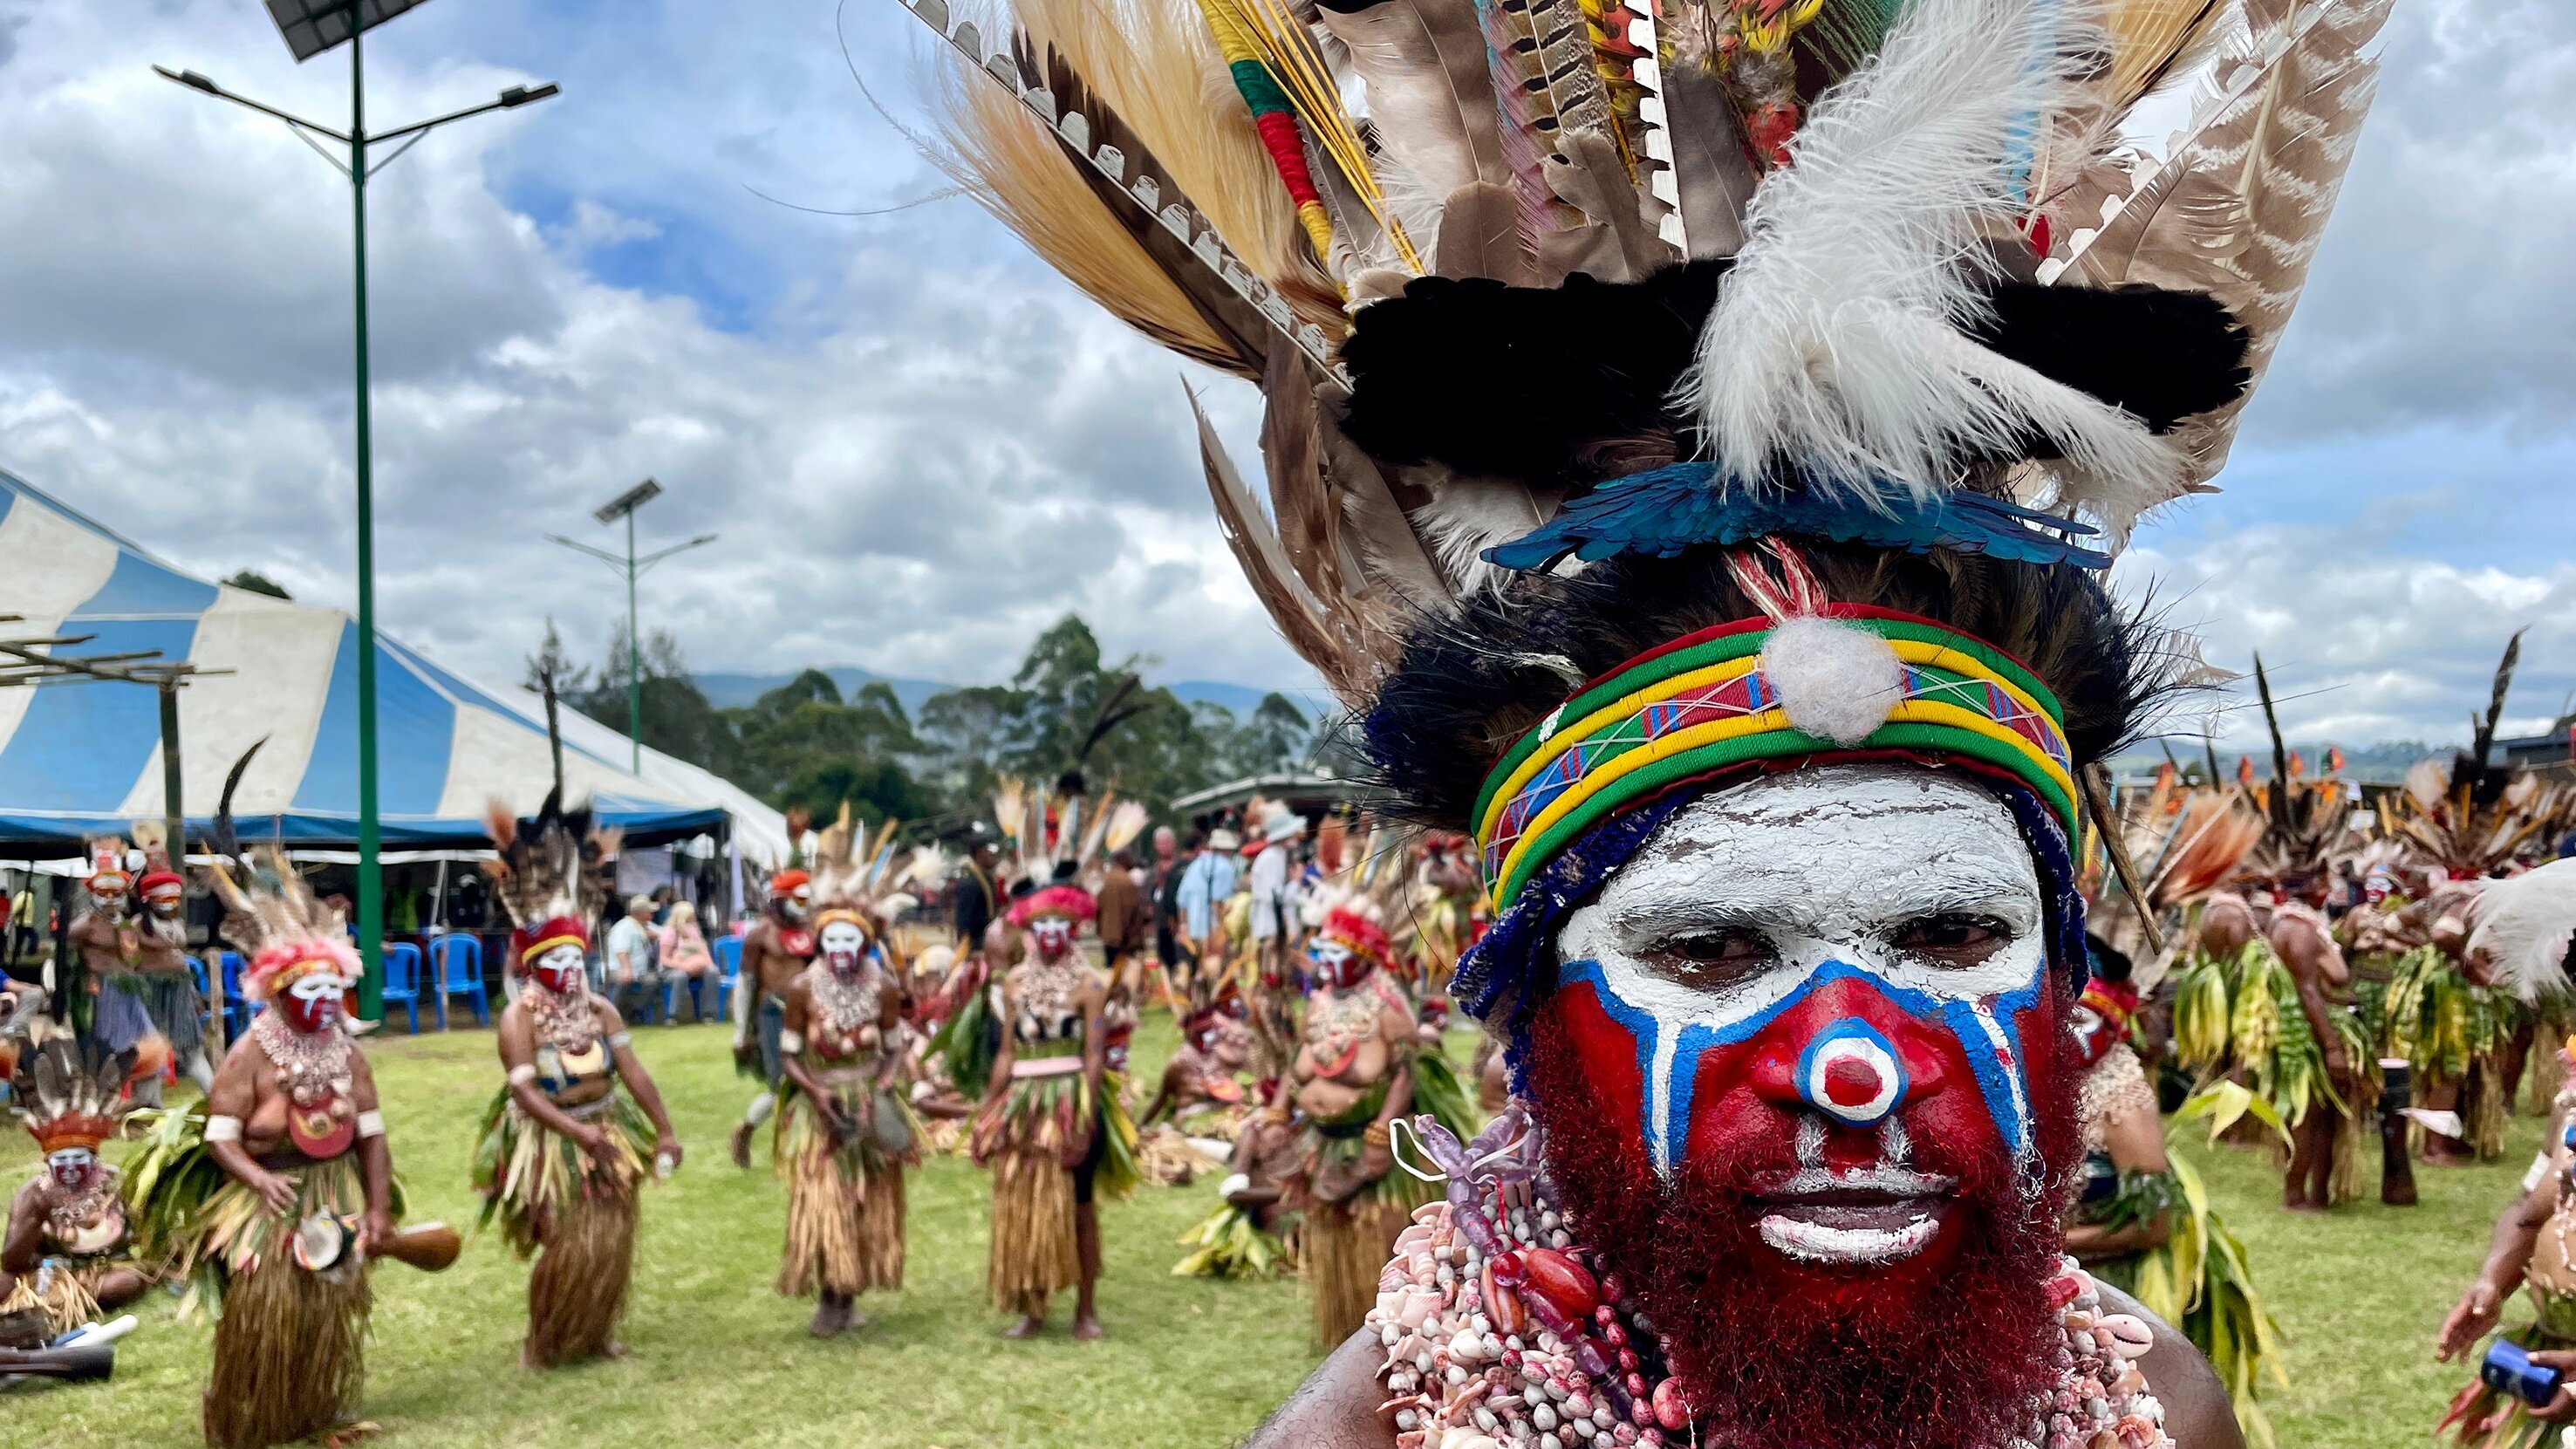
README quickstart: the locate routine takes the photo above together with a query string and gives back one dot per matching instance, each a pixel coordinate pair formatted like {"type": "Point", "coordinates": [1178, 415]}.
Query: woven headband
{"type": "Point", "coordinates": [1706, 703]}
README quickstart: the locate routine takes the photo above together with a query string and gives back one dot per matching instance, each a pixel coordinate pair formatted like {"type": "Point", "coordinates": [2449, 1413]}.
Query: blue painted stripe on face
{"type": "Point", "coordinates": [1999, 1086]}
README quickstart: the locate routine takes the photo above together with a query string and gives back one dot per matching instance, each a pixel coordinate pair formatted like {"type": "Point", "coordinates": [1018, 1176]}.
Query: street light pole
{"type": "Point", "coordinates": [624, 506]}
{"type": "Point", "coordinates": [371, 866]}
{"type": "Point", "coordinates": [371, 895]}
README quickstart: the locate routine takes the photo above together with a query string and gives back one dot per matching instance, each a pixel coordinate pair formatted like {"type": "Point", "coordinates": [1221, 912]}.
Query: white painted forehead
{"type": "Point", "coordinates": [1791, 842]}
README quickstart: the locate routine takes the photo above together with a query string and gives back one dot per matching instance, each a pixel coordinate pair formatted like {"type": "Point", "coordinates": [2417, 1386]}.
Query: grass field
{"type": "Point", "coordinates": [720, 1359]}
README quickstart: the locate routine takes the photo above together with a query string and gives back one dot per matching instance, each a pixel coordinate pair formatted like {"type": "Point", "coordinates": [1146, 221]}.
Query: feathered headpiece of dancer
{"type": "Point", "coordinates": [2468, 816]}
{"type": "Point", "coordinates": [1722, 386]}
{"type": "Point", "coordinates": [2522, 929]}
{"type": "Point", "coordinates": [71, 1093]}
{"type": "Point", "coordinates": [283, 930]}
{"type": "Point", "coordinates": [553, 875]}
{"type": "Point", "coordinates": [2304, 820]}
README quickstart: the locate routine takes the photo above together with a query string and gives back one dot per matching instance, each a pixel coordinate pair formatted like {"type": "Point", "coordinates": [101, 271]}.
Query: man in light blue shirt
{"type": "Point", "coordinates": [1205, 883]}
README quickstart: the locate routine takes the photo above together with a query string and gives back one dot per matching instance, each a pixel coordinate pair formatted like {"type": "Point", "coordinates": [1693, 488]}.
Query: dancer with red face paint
{"type": "Point", "coordinates": [1717, 540]}
{"type": "Point", "coordinates": [1051, 1127]}
{"type": "Point", "coordinates": [563, 1150]}
{"type": "Point", "coordinates": [775, 952]}
{"type": "Point", "coordinates": [283, 1248]}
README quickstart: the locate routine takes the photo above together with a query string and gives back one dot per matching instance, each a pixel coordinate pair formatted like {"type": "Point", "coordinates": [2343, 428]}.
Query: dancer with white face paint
{"type": "Point", "coordinates": [65, 1250]}
{"type": "Point", "coordinates": [563, 1150]}
{"type": "Point", "coordinates": [1718, 540]}
{"type": "Point", "coordinates": [845, 1134]}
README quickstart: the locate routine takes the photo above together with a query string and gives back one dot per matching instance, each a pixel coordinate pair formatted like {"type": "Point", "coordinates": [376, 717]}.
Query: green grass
{"type": "Point", "coordinates": [721, 1359]}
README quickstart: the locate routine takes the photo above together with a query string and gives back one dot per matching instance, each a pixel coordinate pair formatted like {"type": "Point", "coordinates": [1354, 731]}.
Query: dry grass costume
{"type": "Point", "coordinates": [563, 1150]}
{"type": "Point", "coordinates": [845, 1134]}
{"type": "Point", "coordinates": [276, 1201]}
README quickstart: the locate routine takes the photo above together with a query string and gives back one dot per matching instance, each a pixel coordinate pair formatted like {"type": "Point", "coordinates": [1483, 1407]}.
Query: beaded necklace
{"type": "Point", "coordinates": [565, 1020]}
{"type": "Point", "coordinates": [1494, 1324]}
{"type": "Point", "coordinates": [313, 1067]}
{"type": "Point", "coordinates": [844, 1005]}
{"type": "Point", "coordinates": [1048, 992]}
{"type": "Point", "coordinates": [65, 1219]}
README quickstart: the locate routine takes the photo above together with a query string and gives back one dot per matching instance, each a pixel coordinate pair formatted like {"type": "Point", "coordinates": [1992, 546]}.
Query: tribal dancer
{"type": "Point", "coordinates": [66, 1257]}
{"type": "Point", "coordinates": [2524, 942]}
{"type": "Point", "coordinates": [282, 1245]}
{"type": "Point", "coordinates": [1359, 1069]}
{"type": "Point", "coordinates": [1051, 1127]}
{"type": "Point", "coordinates": [775, 952]}
{"type": "Point", "coordinates": [1776, 734]}
{"type": "Point", "coordinates": [160, 977]}
{"type": "Point", "coordinates": [562, 1150]}
{"type": "Point", "coordinates": [109, 945]}
{"type": "Point", "coordinates": [845, 1133]}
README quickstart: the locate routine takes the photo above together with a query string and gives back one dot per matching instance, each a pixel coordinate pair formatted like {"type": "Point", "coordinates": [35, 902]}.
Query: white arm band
{"type": "Point", "coordinates": [223, 1129]}
{"type": "Point", "coordinates": [522, 1074]}
{"type": "Point", "coordinates": [791, 1041]}
{"type": "Point", "coordinates": [2539, 1172]}
{"type": "Point", "coordinates": [619, 1039]}
{"type": "Point", "coordinates": [371, 1124]}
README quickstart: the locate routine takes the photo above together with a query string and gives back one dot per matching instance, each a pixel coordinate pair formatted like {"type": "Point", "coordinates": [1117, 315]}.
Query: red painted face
{"type": "Point", "coordinates": [1336, 964]}
{"type": "Point", "coordinates": [311, 1002]}
{"type": "Point", "coordinates": [560, 970]}
{"type": "Point", "coordinates": [1051, 936]}
{"type": "Point", "coordinates": [1804, 1080]}
{"type": "Point", "coordinates": [71, 1168]}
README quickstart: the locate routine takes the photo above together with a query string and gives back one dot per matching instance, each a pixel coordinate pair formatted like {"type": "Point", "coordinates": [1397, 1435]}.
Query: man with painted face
{"type": "Point", "coordinates": [563, 1151]}
{"type": "Point", "coordinates": [845, 1134]}
{"type": "Point", "coordinates": [1051, 1127]}
{"type": "Point", "coordinates": [775, 951]}
{"type": "Point", "coordinates": [64, 1256]}
{"type": "Point", "coordinates": [1718, 541]}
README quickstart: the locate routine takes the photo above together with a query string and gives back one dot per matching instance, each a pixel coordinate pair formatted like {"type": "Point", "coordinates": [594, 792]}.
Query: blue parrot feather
{"type": "Point", "coordinates": [1664, 512]}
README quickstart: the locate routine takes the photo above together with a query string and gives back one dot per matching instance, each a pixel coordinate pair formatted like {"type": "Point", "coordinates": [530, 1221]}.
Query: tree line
{"type": "Point", "coordinates": [803, 744]}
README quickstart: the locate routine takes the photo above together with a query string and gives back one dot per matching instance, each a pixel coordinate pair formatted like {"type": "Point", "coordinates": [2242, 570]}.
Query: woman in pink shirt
{"type": "Point", "coordinates": [685, 955]}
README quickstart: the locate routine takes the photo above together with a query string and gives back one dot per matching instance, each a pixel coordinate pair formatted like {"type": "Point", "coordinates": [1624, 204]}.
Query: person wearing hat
{"type": "Point", "coordinates": [775, 951]}
{"type": "Point", "coordinates": [1206, 884]}
{"type": "Point", "coordinates": [1274, 905]}
{"type": "Point", "coordinates": [160, 980]}
{"type": "Point", "coordinates": [107, 943]}
{"type": "Point", "coordinates": [634, 966]}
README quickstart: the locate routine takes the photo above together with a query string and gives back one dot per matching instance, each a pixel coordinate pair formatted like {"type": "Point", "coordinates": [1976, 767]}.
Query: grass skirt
{"type": "Point", "coordinates": [845, 1209]}
{"type": "Point", "coordinates": [1033, 1251]}
{"type": "Point", "coordinates": [1345, 1247]}
{"type": "Point", "coordinates": [1227, 1243]}
{"type": "Point", "coordinates": [556, 1203]}
{"type": "Point", "coordinates": [66, 1301]}
{"type": "Point", "coordinates": [290, 1346]}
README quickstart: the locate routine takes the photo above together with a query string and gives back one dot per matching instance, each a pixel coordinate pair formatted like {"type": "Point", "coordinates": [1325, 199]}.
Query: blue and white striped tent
{"type": "Point", "coordinates": [85, 758]}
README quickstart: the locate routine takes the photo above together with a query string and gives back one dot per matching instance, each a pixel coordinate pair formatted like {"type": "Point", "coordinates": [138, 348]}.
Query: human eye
{"type": "Point", "coordinates": [1711, 956]}
{"type": "Point", "coordinates": [1957, 938]}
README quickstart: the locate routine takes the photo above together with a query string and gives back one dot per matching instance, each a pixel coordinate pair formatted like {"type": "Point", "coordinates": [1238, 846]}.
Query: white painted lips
{"type": "Point", "coordinates": [1870, 1217]}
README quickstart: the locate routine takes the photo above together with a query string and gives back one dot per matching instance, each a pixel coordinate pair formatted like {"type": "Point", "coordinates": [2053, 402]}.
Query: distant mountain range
{"type": "Point", "coordinates": [733, 691]}
{"type": "Point", "coordinates": [2383, 763]}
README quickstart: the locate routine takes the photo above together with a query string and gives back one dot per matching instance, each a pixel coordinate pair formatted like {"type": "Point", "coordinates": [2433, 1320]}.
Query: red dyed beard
{"type": "Point", "coordinates": [1944, 1350]}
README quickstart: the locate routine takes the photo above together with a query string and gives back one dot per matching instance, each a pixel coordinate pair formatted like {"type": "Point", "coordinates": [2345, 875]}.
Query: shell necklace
{"type": "Point", "coordinates": [65, 1219]}
{"type": "Point", "coordinates": [565, 1019]}
{"type": "Point", "coordinates": [1496, 1330]}
{"type": "Point", "coordinates": [845, 1005]}
{"type": "Point", "coordinates": [313, 1067]}
{"type": "Point", "coordinates": [1341, 1019]}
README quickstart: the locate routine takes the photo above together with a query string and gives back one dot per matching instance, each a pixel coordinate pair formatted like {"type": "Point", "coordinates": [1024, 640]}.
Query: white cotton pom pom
{"type": "Point", "coordinates": [1836, 681]}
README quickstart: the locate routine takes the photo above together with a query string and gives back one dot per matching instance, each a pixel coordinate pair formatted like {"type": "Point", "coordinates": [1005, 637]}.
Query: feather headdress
{"type": "Point", "coordinates": [71, 1093]}
{"type": "Point", "coordinates": [1814, 268]}
{"type": "Point", "coordinates": [2522, 929]}
{"type": "Point", "coordinates": [554, 873]}
{"type": "Point", "coordinates": [2469, 816]}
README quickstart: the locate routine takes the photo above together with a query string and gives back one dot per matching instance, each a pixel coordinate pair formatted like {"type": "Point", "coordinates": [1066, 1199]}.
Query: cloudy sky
{"type": "Point", "coordinates": [919, 447]}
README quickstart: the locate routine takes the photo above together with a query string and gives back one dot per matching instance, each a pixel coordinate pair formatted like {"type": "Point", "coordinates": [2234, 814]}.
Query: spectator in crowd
{"type": "Point", "coordinates": [686, 959]}
{"type": "Point", "coordinates": [1122, 918]}
{"type": "Point", "coordinates": [632, 968]}
{"type": "Point", "coordinates": [664, 897]}
{"type": "Point", "coordinates": [971, 910]}
{"type": "Point", "coordinates": [1274, 896]}
{"type": "Point", "coordinates": [1205, 884]}
{"type": "Point", "coordinates": [1163, 894]}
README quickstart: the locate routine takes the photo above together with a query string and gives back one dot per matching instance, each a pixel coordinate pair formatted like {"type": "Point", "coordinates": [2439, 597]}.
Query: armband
{"type": "Point", "coordinates": [2538, 1174]}
{"type": "Point", "coordinates": [522, 1074]}
{"type": "Point", "coordinates": [791, 1041]}
{"type": "Point", "coordinates": [223, 1129]}
{"type": "Point", "coordinates": [618, 1039]}
{"type": "Point", "coordinates": [1375, 1134]}
{"type": "Point", "coordinates": [371, 1124]}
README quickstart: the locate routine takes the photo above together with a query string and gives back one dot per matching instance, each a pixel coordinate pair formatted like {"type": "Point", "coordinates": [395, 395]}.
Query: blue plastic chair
{"type": "Point", "coordinates": [728, 950]}
{"type": "Point", "coordinates": [238, 1009]}
{"type": "Point", "coordinates": [402, 980]}
{"type": "Point", "coordinates": [456, 963]}
{"type": "Point", "coordinates": [197, 974]}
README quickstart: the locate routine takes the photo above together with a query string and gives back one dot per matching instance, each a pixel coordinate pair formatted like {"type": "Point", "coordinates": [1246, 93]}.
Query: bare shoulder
{"type": "Point", "coordinates": [1336, 1408]}
{"type": "Point", "coordinates": [2197, 1412]}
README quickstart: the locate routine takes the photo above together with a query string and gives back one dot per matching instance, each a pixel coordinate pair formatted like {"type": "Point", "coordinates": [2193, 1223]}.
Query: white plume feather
{"type": "Point", "coordinates": [2523, 926]}
{"type": "Point", "coordinates": [1835, 346]}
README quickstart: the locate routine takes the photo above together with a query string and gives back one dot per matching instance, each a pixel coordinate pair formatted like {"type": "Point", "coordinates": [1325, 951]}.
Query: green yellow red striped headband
{"type": "Point", "coordinates": [1840, 681]}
